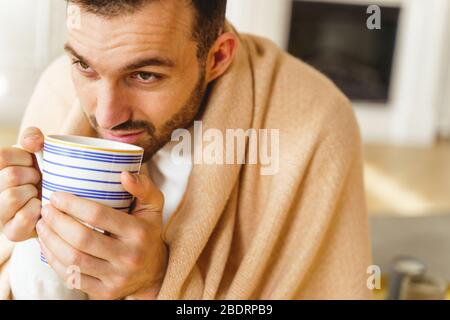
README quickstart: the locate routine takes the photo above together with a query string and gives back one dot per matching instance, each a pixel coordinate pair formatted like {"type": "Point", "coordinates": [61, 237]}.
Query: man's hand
{"type": "Point", "coordinates": [20, 208]}
{"type": "Point", "coordinates": [130, 259]}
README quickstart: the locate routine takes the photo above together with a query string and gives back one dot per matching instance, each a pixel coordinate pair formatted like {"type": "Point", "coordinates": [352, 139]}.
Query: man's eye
{"type": "Point", "coordinates": [83, 66]}
{"type": "Point", "coordinates": [146, 77]}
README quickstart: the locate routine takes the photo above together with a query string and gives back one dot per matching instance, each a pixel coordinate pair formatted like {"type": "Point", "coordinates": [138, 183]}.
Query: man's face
{"type": "Point", "coordinates": [137, 75]}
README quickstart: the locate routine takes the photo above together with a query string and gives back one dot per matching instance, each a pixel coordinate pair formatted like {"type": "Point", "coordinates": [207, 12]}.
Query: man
{"type": "Point", "coordinates": [142, 69]}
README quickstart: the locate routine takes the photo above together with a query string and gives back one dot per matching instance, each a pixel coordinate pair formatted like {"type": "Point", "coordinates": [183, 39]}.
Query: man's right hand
{"type": "Point", "coordinates": [20, 177]}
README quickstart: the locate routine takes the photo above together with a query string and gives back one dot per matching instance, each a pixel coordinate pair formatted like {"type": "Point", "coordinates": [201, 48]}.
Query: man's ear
{"type": "Point", "coordinates": [221, 56]}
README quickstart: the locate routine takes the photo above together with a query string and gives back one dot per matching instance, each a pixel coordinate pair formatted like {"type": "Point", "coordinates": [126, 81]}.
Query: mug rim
{"type": "Point", "coordinates": [103, 145]}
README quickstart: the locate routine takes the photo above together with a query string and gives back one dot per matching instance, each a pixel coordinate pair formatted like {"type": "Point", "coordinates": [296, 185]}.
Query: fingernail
{"type": "Point", "coordinates": [44, 212]}
{"type": "Point", "coordinates": [54, 199]}
{"type": "Point", "coordinates": [40, 226]}
{"type": "Point", "coordinates": [33, 136]}
{"type": "Point", "coordinates": [133, 177]}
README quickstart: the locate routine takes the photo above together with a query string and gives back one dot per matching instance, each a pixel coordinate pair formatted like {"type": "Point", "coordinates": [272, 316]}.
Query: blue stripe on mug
{"type": "Point", "coordinates": [100, 192]}
{"type": "Point", "coordinates": [71, 155]}
{"type": "Point", "coordinates": [81, 193]}
{"type": "Point", "coordinates": [109, 196]}
{"type": "Point", "coordinates": [43, 259]}
{"type": "Point", "coordinates": [116, 208]}
{"type": "Point", "coordinates": [81, 168]}
{"type": "Point", "coordinates": [93, 154]}
{"type": "Point", "coordinates": [80, 179]}
{"type": "Point", "coordinates": [88, 195]}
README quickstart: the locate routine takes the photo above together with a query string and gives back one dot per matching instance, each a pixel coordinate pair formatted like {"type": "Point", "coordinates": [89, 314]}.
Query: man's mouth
{"type": "Point", "coordinates": [124, 136]}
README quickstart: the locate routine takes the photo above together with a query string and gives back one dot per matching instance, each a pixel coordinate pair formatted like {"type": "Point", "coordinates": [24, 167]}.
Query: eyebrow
{"type": "Point", "coordinates": [146, 62]}
{"type": "Point", "coordinates": [73, 52]}
{"type": "Point", "coordinates": [150, 62]}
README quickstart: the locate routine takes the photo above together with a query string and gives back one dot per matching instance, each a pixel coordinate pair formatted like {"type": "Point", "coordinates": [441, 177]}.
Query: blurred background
{"type": "Point", "coordinates": [398, 78]}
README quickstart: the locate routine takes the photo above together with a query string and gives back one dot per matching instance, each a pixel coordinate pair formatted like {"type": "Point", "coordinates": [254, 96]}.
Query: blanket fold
{"type": "Point", "coordinates": [301, 233]}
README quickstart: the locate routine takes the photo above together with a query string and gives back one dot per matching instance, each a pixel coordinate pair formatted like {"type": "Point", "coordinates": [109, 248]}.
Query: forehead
{"type": "Point", "coordinates": [159, 27]}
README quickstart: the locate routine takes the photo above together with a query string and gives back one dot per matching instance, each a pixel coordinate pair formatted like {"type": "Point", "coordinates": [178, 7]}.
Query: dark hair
{"type": "Point", "coordinates": [209, 20]}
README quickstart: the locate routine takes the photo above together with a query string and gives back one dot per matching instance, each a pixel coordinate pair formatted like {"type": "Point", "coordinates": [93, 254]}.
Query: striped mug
{"type": "Point", "coordinates": [89, 168]}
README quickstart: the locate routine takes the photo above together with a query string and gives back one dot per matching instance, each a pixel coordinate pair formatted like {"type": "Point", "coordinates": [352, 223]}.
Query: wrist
{"type": "Point", "coordinates": [152, 291]}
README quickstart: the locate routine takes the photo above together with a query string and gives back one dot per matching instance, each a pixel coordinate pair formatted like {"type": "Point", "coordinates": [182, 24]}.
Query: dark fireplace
{"type": "Point", "coordinates": [334, 38]}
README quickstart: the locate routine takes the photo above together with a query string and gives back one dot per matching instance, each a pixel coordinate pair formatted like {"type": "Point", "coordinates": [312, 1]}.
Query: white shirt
{"type": "Point", "coordinates": [171, 177]}
{"type": "Point", "coordinates": [32, 279]}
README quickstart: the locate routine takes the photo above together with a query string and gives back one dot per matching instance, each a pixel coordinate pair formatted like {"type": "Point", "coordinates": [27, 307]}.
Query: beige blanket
{"type": "Point", "coordinates": [300, 234]}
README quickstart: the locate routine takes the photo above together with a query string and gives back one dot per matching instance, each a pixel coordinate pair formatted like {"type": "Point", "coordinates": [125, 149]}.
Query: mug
{"type": "Point", "coordinates": [89, 168]}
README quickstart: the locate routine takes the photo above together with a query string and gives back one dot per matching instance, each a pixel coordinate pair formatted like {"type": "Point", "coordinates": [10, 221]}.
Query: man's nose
{"type": "Point", "coordinates": [112, 108]}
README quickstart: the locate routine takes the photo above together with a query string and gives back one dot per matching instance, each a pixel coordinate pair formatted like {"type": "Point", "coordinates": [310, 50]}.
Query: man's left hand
{"type": "Point", "coordinates": [129, 260]}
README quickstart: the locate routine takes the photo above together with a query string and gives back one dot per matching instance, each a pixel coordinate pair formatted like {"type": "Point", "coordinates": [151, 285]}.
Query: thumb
{"type": "Point", "coordinates": [32, 140]}
{"type": "Point", "coordinates": [148, 196]}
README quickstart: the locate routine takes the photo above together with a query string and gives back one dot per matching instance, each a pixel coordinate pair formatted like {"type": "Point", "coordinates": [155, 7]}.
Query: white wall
{"type": "Point", "coordinates": [444, 112]}
{"type": "Point", "coordinates": [31, 35]}
{"type": "Point", "coordinates": [267, 18]}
